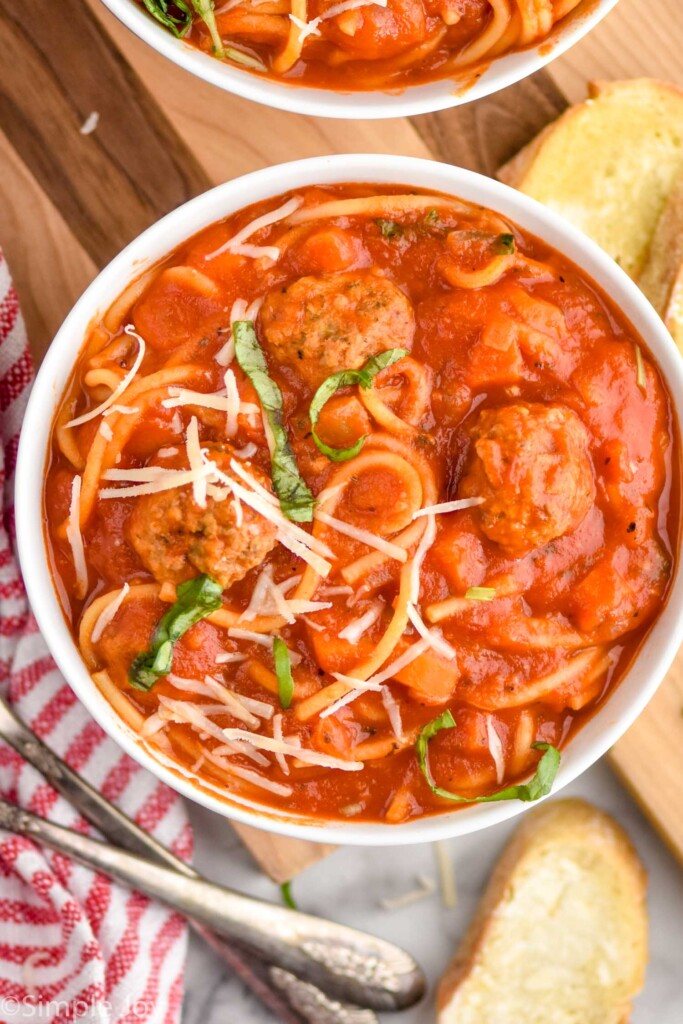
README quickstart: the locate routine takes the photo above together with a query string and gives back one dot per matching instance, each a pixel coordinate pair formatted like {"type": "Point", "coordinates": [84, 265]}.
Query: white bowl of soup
{"type": "Point", "coordinates": [363, 58]}
{"type": "Point", "coordinates": [348, 500]}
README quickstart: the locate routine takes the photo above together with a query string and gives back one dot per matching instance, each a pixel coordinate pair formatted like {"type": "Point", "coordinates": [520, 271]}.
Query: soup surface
{"type": "Point", "coordinates": [361, 45]}
{"type": "Point", "coordinates": [361, 502]}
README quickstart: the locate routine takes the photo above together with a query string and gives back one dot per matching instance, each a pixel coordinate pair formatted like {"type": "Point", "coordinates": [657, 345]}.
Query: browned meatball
{"type": "Point", "coordinates": [319, 325]}
{"type": "Point", "coordinates": [176, 539]}
{"type": "Point", "coordinates": [532, 467]}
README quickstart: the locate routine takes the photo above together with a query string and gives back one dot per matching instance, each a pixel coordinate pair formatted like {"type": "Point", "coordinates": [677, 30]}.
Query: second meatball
{"type": "Point", "coordinates": [319, 325]}
{"type": "Point", "coordinates": [531, 464]}
{"type": "Point", "coordinates": [176, 539]}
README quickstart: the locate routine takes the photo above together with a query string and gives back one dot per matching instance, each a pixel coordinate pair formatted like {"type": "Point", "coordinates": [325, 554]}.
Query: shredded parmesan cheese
{"type": "Point", "coordinates": [448, 506]}
{"type": "Point", "coordinates": [120, 387]}
{"type": "Point", "coordinates": [496, 748]}
{"type": "Point", "coordinates": [413, 652]}
{"type": "Point", "coordinates": [427, 886]}
{"type": "Point", "coordinates": [303, 754]}
{"type": "Point", "coordinates": [108, 614]}
{"type": "Point", "coordinates": [248, 775]}
{"type": "Point", "coordinates": [232, 703]}
{"type": "Point", "coordinates": [228, 657]}
{"type": "Point", "coordinates": [446, 874]}
{"type": "Point", "coordinates": [237, 245]}
{"type": "Point", "coordinates": [433, 637]}
{"type": "Point", "coordinates": [309, 28]}
{"type": "Point", "coordinates": [163, 480]}
{"type": "Point", "coordinates": [75, 539]}
{"type": "Point", "coordinates": [194, 457]}
{"type": "Point", "coordinates": [277, 735]}
{"type": "Point", "coordinates": [426, 541]}
{"type": "Point", "coordinates": [358, 687]}
{"type": "Point", "coordinates": [106, 431]}
{"type": "Point", "coordinates": [393, 712]}
{"type": "Point", "coordinates": [260, 638]}
{"type": "Point", "coordinates": [233, 403]}
{"type": "Point", "coordinates": [364, 536]}
{"type": "Point", "coordinates": [356, 629]}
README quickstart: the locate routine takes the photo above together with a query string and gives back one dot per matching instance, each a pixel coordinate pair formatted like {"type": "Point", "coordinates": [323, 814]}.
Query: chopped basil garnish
{"type": "Point", "coordinates": [296, 500]}
{"type": "Point", "coordinates": [480, 593]}
{"type": "Point", "coordinates": [205, 10]}
{"type": "Point", "coordinates": [283, 671]}
{"type": "Point", "coordinates": [505, 245]}
{"type": "Point", "coordinates": [540, 785]}
{"type": "Point", "coordinates": [287, 898]}
{"type": "Point", "coordinates": [178, 24]}
{"type": "Point", "coordinates": [431, 217]}
{"type": "Point", "coordinates": [344, 379]}
{"type": "Point", "coordinates": [195, 599]}
{"type": "Point", "coordinates": [389, 228]}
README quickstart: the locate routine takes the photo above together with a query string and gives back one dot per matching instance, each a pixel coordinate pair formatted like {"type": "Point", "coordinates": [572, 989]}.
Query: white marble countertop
{"type": "Point", "coordinates": [348, 885]}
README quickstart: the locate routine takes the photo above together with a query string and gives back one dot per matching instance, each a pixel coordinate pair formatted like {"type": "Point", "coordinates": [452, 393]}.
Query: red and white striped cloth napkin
{"type": "Point", "coordinates": [73, 944]}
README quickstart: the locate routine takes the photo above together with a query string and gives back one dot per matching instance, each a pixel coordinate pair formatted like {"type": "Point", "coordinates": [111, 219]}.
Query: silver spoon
{"type": "Point", "coordinates": [344, 962]}
{"type": "Point", "coordinates": [294, 999]}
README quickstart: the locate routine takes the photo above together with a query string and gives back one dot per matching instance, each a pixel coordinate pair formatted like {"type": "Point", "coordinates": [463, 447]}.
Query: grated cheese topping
{"type": "Point", "coordinates": [448, 506]}
{"type": "Point", "coordinates": [237, 244]}
{"type": "Point", "coordinates": [496, 748]}
{"type": "Point", "coordinates": [364, 536]}
{"type": "Point", "coordinates": [434, 637]}
{"type": "Point", "coordinates": [277, 735]}
{"type": "Point", "coordinates": [194, 457]}
{"type": "Point", "coordinates": [290, 749]}
{"type": "Point", "coordinates": [393, 712]}
{"type": "Point", "coordinates": [75, 538]}
{"type": "Point", "coordinates": [359, 627]}
{"type": "Point", "coordinates": [108, 614]}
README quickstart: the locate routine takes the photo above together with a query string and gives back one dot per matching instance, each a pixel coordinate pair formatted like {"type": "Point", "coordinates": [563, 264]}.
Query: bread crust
{"type": "Point", "coordinates": [551, 825]}
{"type": "Point", "coordinates": [649, 164]}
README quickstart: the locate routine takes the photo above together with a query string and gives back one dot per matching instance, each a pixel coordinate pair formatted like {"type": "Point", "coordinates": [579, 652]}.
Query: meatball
{"type": "Point", "coordinates": [176, 539]}
{"type": "Point", "coordinates": [532, 466]}
{"type": "Point", "coordinates": [319, 325]}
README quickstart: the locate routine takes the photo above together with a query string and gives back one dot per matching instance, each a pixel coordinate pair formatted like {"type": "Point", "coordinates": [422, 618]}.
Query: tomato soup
{"type": "Point", "coordinates": [361, 502]}
{"type": "Point", "coordinates": [361, 45]}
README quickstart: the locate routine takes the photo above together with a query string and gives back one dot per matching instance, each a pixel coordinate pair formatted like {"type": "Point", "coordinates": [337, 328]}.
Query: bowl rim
{"type": "Point", "coordinates": [659, 647]}
{"type": "Point", "coordinates": [418, 99]}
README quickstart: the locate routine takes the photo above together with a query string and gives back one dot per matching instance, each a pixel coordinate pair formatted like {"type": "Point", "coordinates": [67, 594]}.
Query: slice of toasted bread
{"type": "Point", "coordinates": [609, 164]}
{"type": "Point", "coordinates": [662, 275]}
{"type": "Point", "coordinates": [560, 936]}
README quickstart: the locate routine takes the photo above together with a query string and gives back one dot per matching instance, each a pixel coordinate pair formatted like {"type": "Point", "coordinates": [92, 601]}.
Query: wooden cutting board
{"type": "Point", "coordinates": [69, 202]}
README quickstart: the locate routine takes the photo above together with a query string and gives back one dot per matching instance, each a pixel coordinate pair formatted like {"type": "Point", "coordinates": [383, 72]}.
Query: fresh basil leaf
{"type": "Point", "coordinates": [431, 217]}
{"type": "Point", "coordinates": [344, 379]}
{"type": "Point", "coordinates": [505, 245]}
{"type": "Point", "coordinates": [283, 671]}
{"type": "Point", "coordinates": [178, 24]}
{"type": "Point", "coordinates": [287, 898]}
{"type": "Point", "coordinates": [296, 500]}
{"type": "Point", "coordinates": [205, 10]}
{"type": "Point", "coordinates": [389, 228]}
{"type": "Point", "coordinates": [540, 785]}
{"type": "Point", "coordinates": [195, 599]}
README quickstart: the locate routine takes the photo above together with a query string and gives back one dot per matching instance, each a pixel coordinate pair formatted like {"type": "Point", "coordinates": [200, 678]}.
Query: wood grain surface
{"type": "Point", "coordinates": [69, 202]}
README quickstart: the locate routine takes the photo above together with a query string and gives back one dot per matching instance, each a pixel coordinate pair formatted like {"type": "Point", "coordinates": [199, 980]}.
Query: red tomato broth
{"type": "Point", "coordinates": [608, 574]}
{"type": "Point", "coordinates": [375, 46]}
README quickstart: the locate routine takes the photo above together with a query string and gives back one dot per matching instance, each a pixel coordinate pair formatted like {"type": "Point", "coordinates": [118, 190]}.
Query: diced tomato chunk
{"type": "Point", "coordinates": [180, 305]}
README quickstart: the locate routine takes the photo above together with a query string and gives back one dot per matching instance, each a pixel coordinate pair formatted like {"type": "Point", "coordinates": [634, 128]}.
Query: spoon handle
{"type": "Point", "coordinates": [291, 999]}
{"type": "Point", "coordinates": [347, 964]}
